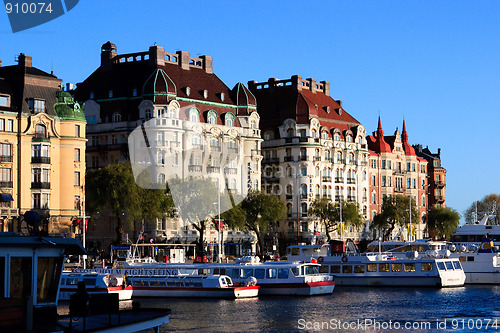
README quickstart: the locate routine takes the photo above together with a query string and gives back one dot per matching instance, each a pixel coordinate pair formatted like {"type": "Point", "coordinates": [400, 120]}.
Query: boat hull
{"type": "Point", "coordinates": [401, 281]}
{"type": "Point", "coordinates": [228, 292]}
{"type": "Point", "coordinates": [302, 289]}
{"type": "Point", "coordinates": [124, 294]}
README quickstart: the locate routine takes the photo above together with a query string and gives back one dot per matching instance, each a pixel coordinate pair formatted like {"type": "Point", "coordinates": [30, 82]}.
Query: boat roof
{"type": "Point", "coordinates": [71, 245]}
{"type": "Point", "coordinates": [477, 229]}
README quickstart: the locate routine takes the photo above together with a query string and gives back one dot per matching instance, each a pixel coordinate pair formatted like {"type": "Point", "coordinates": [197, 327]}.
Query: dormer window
{"type": "Point", "coordinates": [336, 136]}
{"type": "Point", "coordinates": [91, 95]}
{"type": "Point", "coordinates": [110, 94]}
{"type": "Point", "coordinates": [4, 100]}
{"type": "Point", "coordinates": [222, 97]}
{"type": "Point", "coordinates": [188, 91]}
{"type": "Point", "coordinates": [134, 92]}
{"type": "Point", "coordinates": [229, 119]}
{"type": "Point", "coordinates": [205, 93]}
{"type": "Point", "coordinates": [40, 131]}
{"type": "Point", "coordinates": [194, 115]}
{"type": "Point", "coordinates": [211, 119]}
{"type": "Point", "coordinates": [37, 105]}
{"type": "Point", "coordinates": [117, 117]}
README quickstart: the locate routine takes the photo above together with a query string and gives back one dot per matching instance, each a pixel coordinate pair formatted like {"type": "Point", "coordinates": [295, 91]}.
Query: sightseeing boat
{"type": "Point", "coordinates": [273, 278]}
{"type": "Point", "coordinates": [95, 284]}
{"type": "Point", "coordinates": [206, 286]}
{"type": "Point", "coordinates": [381, 269]}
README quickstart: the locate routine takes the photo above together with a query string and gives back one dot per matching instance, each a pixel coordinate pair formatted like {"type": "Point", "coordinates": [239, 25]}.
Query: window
{"type": "Point", "coordinates": [383, 164]}
{"type": "Point", "coordinates": [374, 180]}
{"type": "Point", "coordinates": [2, 124]}
{"type": "Point", "coordinates": [336, 136]}
{"type": "Point", "coordinates": [40, 130]}
{"type": "Point", "coordinates": [253, 124]}
{"type": "Point", "coordinates": [211, 119]}
{"type": "Point", "coordinates": [77, 154]}
{"type": "Point", "coordinates": [5, 152]}
{"type": "Point", "coordinates": [134, 92]}
{"type": "Point", "coordinates": [5, 175]}
{"type": "Point", "coordinates": [110, 94]}
{"type": "Point", "coordinates": [302, 133]}
{"type": "Point", "coordinates": [4, 100]}
{"type": "Point", "coordinates": [303, 170]}
{"type": "Point", "coordinates": [194, 115]}
{"type": "Point", "coordinates": [229, 122]}
{"type": "Point", "coordinates": [91, 96]}
{"type": "Point", "coordinates": [10, 125]}
{"type": "Point", "coordinates": [37, 105]}
{"type": "Point", "coordinates": [77, 131]}
{"type": "Point", "coordinates": [205, 93]}
{"type": "Point", "coordinates": [408, 166]}
{"type": "Point", "coordinates": [117, 117]}
{"type": "Point", "coordinates": [374, 198]}
{"type": "Point", "coordinates": [161, 158]}
{"type": "Point", "coordinates": [77, 178]}
{"type": "Point", "coordinates": [373, 164]}
{"type": "Point", "coordinates": [161, 178]}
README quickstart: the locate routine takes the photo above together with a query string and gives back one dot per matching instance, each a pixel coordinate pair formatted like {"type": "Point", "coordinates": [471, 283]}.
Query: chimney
{"type": "Point", "coordinates": [183, 59]}
{"type": "Point", "coordinates": [207, 64]}
{"type": "Point", "coordinates": [339, 102]}
{"type": "Point", "coordinates": [108, 52]}
{"type": "Point", "coordinates": [24, 60]}
{"type": "Point", "coordinates": [439, 152]}
{"type": "Point", "coordinates": [297, 82]}
{"type": "Point", "coordinates": [69, 86]}
{"type": "Point", "coordinates": [157, 55]}
{"type": "Point", "coordinates": [326, 88]}
{"type": "Point", "coordinates": [312, 84]}
{"type": "Point", "coordinates": [272, 83]}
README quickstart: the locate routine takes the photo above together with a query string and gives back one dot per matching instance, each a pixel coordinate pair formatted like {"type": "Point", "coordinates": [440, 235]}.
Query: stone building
{"type": "Point", "coordinates": [192, 122]}
{"type": "Point", "coordinates": [436, 175]}
{"type": "Point", "coordinates": [42, 149]}
{"type": "Point", "coordinates": [312, 148]}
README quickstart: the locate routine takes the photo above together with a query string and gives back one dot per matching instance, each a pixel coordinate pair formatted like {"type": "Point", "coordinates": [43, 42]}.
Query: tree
{"type": "Point", "coordinates": [329, 214]}
{"type": "Point", "coordinates": [256, 213]}
{"type": "Point", "coordinates": [394, 211]}
{"type": "Point", "coordinates": [490, 204]}
{"type": "Point", "coordinates": [114, 187]}
{"type": "Point", "coordinates": [442, 222]}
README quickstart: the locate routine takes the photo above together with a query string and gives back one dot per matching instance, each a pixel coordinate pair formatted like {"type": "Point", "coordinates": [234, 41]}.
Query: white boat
{"type": "Point", "coordinates": [95, 284]}
{"type": "Point", "coordinates": [217, 286]}
{"type": "Point", "coordinates": [473, 234]}
{"type": "Point", "coordinates": [381, 269]}
{"type": "Point", "coordinates": [273, 278]}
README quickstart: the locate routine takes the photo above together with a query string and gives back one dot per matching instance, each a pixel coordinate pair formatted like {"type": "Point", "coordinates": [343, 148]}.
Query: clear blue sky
{"type": "Point", "coordinates": [437, 63]}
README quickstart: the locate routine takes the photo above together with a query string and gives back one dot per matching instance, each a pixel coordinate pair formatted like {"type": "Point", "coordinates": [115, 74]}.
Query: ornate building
{"type": "Point", "coordinates": [436, 175]}
{"type": "Point", "coordinates": [395, 168]}
{"type": "Point", "coordinates": [192, 121]}
{"type": "Point", "coordinates": [42, 149]}
{"type": "Point", "coordinates": [312, 148]}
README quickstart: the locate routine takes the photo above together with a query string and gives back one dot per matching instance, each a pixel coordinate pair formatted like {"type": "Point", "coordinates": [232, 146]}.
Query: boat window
{"type": "Point", "coordinates": [260, 273]}
{"type": "Point", "coordinates": [2, 275]}
{"type": "Point", "coordinates": [154, 283]}
{"type": "Point", "coordinates": [222, 282]}
{"type": "Point", "coordinates": [295, 251]}
{"type": "Point", "coordinates": [203, 271]}
{"type": "Point", "coordinates": [359, 268]}
{"type": "Point", "coordinates": [410, 267]}
{"type": "Point", "coordinates": [170, 283]}
{"type": "Point", "coordinates": [371, 267]}
{"type": "Point", "coordinates": [335, 269]}
{"type": "Point", "coordinates": [271, 273]}
{"type": "Point", "coordinates": [470, 258]}
{"type": "Point", "coordinates": [89, 281]}
{"type": "Point", "coordinates": [48, 274]}
{"type": "Point", "coordinates": [462, 258]}
{"type": "Point", "coordinates": [449, 265]}
{"type": "Point", "coordinates": [346, 269]}
{"type": "Point", "coordinates": [323, 269]}
{"type": "Point", "coordinates": [397, 267]}
{"type": "Point", "coordinates": [72, 281]}
{"type": "Point", "coordinates": [20, 277]}
{"type": "Point", "coordinates": [383, 267]}
{"type": "Point", "coordinates": [426, 266]}
{"type": "Point", "coordinates": [222, 271]}
{"type": "Point", "coordinates": [189, 283]}
{"type": "Point", "coordinates": [247, 272]}
{"type": "Point", "coordinates": [295, 271]}
{"type": "Point", "coordinates": [216, 271]}
{"type": "Point", "coordinates": [283, 273]}
{"type": "Point", "coordinates": [440, 265]}
{"type": "Point", "coordinates": [309, 270]}
{"type": "Point", "coordinates": [228, 281]}
{"type": "Point", "coordinates": [236, 273]}
{"type": "Point", "coordinates": [457, 265]}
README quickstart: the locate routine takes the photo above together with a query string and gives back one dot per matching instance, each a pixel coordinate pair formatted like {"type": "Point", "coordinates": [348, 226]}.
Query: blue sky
{"type": "Point", "coordinates": [435, 63]}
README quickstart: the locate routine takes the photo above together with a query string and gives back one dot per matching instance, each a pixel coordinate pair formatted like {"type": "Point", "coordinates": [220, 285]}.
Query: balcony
{"type": "Point", "coordinates": [303, 196]}
{"type": "Point", "coordinates": [288, 159]}
{"type": "Point", "coordinates": [439, 198]}
{"type": "Point", "coordinates": [288, 140]}
{"type": "Point", "coordinates": [289, 196]}
{"type": "Point", "coordinates": [399, 189]}
{"type": "Point", "coordinates": [351, 181]}
{"type": "Point", "coordinates": [267, 179]}
{"type": "Point", "coordinates": [327, 179]}
{"type": "Point", "coordinates": [40, 185]}
{"type": "Point", "coordinates": [339, 180]}
{"type": "Point", "coordinates": [302, 139]}
{"type": "Point", "coordinates": [40, 159]}
{"type": "Point", "coordinates": [213, 169]}
{"type": "Point", "coordinates": [175, 144]}
{"type": "Point", "coordinates": [303, 157]}
{"type": "Point", "coordinates": [195, 168]}
{"type": "Point", "coordinates": [40, 137]}
{"type": "Point", "coordinates": [273, 160]}
{"type": "Point", "coordinates": [440, 183]}
{"type": "Point", "coordinates": [217, 148]}
{"type": "Point", "coordinates": [7, 184]}
{"type": "Point", "coordinates": [5, 158]}
{"type": "Point", "coordinates": [338, 197]}
{"type": "Point", "coordinates": [351, 198]}
{"type": "Point", "coordinates": [230, 171]}
{"type": "Point", "coordinates": [317, 158]}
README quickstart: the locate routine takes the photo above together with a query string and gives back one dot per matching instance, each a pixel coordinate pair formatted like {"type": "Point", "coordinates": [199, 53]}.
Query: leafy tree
{"type": "Point", "coordinates": [394, 212]}
{"type": "Point", "coordinates": [490, 204]}
{"type": "Point", "coordinates": [442, 222]}
{"type": "Point", "coordinates": [256, 213]}
{"type": "Point", "coordinates": [114, 187]}
{"type": "Point", "coordinates": [329, 214]}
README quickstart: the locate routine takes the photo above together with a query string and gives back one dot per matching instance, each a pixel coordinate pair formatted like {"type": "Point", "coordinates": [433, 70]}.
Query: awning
{"type": "Point", "coordinates": [4, 197]}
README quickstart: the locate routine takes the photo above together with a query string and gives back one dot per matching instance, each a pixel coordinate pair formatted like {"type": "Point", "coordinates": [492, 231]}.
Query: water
{"type": "Point", "coordinates": [466, 309]}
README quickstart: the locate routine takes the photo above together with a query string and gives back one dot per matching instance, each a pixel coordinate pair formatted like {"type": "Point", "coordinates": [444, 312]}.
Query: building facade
{"type": "Point", "coordinates": [312, 148]}
{"type": "Point", "coordinates": [394, 169]}
{"type": "Point", "coordinates": [194, 125]}
{"type": "Point", "coordinates": [42, 147]}
{"type": "Point", "coordinates": [436, 175]}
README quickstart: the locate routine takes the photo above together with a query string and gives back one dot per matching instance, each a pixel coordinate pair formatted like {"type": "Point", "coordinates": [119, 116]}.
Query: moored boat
{"type": "Point", "coordinates": [95, 284]}
{"type": "Point", "coordinates": [217, 286]}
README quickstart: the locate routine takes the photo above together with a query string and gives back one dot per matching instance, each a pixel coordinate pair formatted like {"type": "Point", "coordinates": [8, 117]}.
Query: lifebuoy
{"type": "Point", "coordinates": [344, 258]}
{"type": "Point", "coordinates": [320, 259]}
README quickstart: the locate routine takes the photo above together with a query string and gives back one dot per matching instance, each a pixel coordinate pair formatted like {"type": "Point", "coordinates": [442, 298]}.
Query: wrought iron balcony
{"type": "Point", "coordinates": [7, 184]}
{"type": "Point", "coordinates": [5, 158]}
{"type": "Point", "coordinates": [40, 185]}
{"type": "Point", "coordinates": [40, 159]}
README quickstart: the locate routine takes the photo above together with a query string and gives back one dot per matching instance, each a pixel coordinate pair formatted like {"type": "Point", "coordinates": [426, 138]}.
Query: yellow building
{"type": "Point", "coordinates": [42, 149]}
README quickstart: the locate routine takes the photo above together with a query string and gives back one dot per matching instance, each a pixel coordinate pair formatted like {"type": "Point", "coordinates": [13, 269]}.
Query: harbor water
{"type": "Point", "coordinates": [348, 309]}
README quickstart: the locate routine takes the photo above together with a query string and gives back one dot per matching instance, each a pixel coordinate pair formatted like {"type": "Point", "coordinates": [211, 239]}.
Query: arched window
{"type": "Point", "coordinates": [336, 136]}
{"type": "Point", "coordinates": [324, 135]}
{"type": "Point", "coordinates": [289, 132]}
{"type": "Point", "coordinates": [161, 157]}
{"type": "Point", "coordinates": [374, 198]}
{"type": "Point", "coordinates": [41, 131]}
{"type": "Point", "coordinates": [348, 138]}
{"type": "Point", "coordinates": [303, 170]}
{"type": "Point", "coordinates": [303, 207]}
{"type": "Point", "coordinates": [148, 114]}
{"type": "Point", "coordinates": [289, 208]}
{"type": "Point", "coordinates": [253, 124]}
{"type": "Point", "coordinates": [339, 157]}
{"type": "Point", "coordinates": [117, 117]}
{"type": "Point", "coordinates": [172, 114]}
{"type": "Point", "coordinates": [229, 119]}
{"type": "Point", "coordinates": [316, 171]}
{"type": "Point", "coordinates": [364, 195]}
{"type": "Point", "coordinates": [212, 120]}
{"type": "Point", "coordinates": [313, 133]}
{"type": "Point", "coordinates": [317, 191]}
{"type": "Point", "coordinates": [303, 191]}
{"type": "Point", "coordinates": [161, 178]}
{"type": "Point", "coordinates": [229, 122]}
{"type": "Point", "coordinates": [194, 115]}
{"type": "Point", "coordinates": [289, 171]}
{"type": "Point", "coordinates": [289, 189]}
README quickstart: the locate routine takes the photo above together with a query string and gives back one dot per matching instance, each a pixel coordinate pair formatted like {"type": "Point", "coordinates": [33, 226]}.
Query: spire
{"type": "Point", "coordinates": [409, 150]}
{"type": "Point", "coordinates": [404, 135]}
{"type": "Point", "coordinates": [381, 145]}
{"type": "Point", "coordinates": [380, 131]}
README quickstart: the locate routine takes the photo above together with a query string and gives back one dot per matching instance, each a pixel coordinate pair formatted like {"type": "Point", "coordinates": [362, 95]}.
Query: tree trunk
{"type": "Point", "coordinates": [118, 230]}
{"type": "Point", "coordinates": [260, 243]}
{"type": "Point", "coordinates": [199, 243]}
{"type": "Point", "coordinates": [328, 237]}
